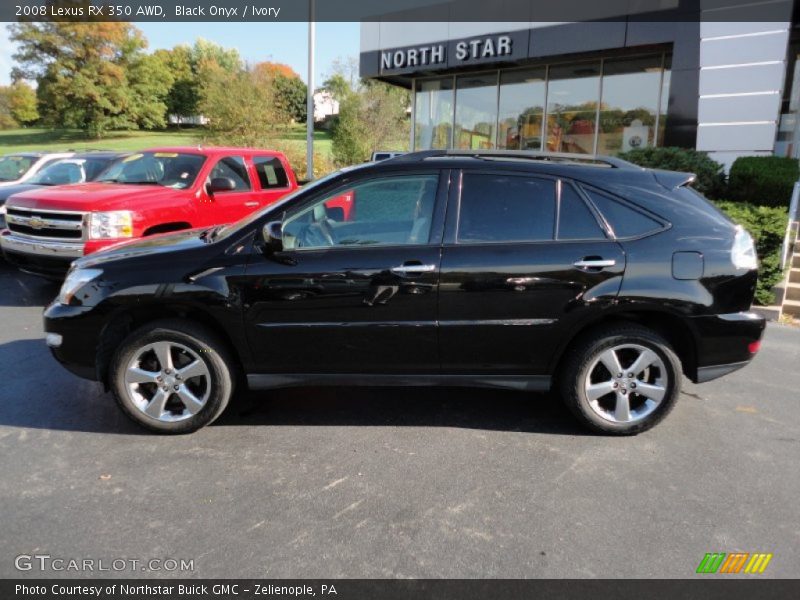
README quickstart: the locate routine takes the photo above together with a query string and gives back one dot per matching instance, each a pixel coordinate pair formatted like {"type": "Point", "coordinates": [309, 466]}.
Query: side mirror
{"type": "Point", "coordinates": [221, 184]}
{"type": "Point", "coordinates": [273, 236]}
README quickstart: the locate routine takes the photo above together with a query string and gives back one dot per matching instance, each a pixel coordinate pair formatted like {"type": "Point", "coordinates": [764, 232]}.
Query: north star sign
{"type": "Point", "coordinates": [469, 51]}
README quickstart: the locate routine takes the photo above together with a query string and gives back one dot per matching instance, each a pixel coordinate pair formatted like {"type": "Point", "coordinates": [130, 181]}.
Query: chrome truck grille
{"type": "Point", "coordinates": [39, 224]}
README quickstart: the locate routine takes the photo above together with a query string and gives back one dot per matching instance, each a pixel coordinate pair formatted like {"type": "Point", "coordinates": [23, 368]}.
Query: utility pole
{"type": "Point", "coordinates": [310, 94]}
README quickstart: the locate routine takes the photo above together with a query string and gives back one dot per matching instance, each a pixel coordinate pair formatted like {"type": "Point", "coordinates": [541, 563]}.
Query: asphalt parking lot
{"type": "Point", "coordinates": [355, 483]}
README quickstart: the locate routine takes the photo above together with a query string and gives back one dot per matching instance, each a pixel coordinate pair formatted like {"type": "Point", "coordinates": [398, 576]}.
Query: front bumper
{"type": "Point", "coordinates": [47, 258]}
{"type": "Point", "coordinates": [724, 343]}
{"type": "Point", "coordinates": [72, 334]}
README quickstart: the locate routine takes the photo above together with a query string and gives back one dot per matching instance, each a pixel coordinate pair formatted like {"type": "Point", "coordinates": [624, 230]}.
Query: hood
{"type": "Point", "coordinates": [93, 196]}
{"type": "Point", "coordinates": [151, 246]}
{"type": "Point", "coordinates": [18, 188]}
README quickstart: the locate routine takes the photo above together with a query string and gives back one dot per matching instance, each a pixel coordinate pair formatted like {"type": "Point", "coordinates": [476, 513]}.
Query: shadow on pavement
{"type": "Point", "coordinates": [470, 408]}
{"type": "Point", "coordinates": [22, 289]}
{"type": "Point", "coordinates": [42, 395]}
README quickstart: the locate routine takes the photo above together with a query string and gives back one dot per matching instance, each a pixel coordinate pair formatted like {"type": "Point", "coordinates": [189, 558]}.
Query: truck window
{"type": "Point", "coordinates": [232, 167]}
{"type": "Point", "coordinates": [271, 173]}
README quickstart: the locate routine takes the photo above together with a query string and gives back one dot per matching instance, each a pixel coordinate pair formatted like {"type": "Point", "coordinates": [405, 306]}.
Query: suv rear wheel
{"type": "Point", "coordinates": [621, 380]}
{"type": "Point", "coordinates": [172, 376]}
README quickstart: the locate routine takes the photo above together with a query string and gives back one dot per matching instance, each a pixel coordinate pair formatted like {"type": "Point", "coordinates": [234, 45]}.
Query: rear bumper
{"type": "Point", "coordinates": [724, 343]}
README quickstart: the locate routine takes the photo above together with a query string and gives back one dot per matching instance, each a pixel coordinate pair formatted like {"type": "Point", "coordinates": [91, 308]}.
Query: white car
{"type": "Point", "coordinates": [21, 166]}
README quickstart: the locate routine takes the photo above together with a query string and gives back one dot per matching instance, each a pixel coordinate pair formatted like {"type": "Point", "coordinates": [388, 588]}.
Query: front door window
{"type": "Point", "coordinates": [390, 211]}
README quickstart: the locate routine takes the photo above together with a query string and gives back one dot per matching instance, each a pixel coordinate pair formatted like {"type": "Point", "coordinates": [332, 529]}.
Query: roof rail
{"type": "Point", "coordinates": [565, 157]}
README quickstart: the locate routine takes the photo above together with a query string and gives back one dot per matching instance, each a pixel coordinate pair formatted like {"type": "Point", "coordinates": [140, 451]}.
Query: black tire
{"type": "Point", "coordinates": [583, 357]}
{"type": "Point", "coordinates": [218, 385]}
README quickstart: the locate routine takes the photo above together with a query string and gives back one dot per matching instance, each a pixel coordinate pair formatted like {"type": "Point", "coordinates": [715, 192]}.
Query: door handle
{"type": "Point", "coordinates": [413, 269]}
{"type": "Point", "coordinates": [598, 263]}
{"type": "Point", "coordinates": [253, 203]}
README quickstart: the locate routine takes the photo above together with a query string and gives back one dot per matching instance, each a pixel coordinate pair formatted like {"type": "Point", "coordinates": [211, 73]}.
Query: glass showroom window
{"type": "Point", "coordinates": [572, 96]}
{"type": "Point", "coordinates": [433, 114]}
{"type": "Point", "coordinates": [522, 95]}
{"type": "Point", "coordinates": [629, 105]}
{"type": "Point", "coordinates": [662, 117]}
{"type": "Point", "coordinates": [476, 111]}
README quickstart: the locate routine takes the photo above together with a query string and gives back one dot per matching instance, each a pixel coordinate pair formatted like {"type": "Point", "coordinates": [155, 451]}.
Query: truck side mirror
{"type": "Point", "coordinates": [221, 184]}
{"type": "Point", "coordinates": [273, 236]}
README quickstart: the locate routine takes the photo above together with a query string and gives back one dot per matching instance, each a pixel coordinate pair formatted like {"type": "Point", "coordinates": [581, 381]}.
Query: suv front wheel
{"type": "Point", "coordinates": [172, 376]}
{"type": "Point", "coordinates": [621, 380]}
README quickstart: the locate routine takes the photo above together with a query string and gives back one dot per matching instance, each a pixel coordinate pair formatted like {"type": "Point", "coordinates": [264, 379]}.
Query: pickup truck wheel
{"type": "Point", "coordinates": [621, 380]}
{"type": "Point", "coordinates": [172, 376]}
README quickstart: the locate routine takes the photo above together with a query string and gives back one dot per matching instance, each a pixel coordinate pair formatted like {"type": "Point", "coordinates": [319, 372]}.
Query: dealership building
{"type": "Point", "coordinates": [709, 80]}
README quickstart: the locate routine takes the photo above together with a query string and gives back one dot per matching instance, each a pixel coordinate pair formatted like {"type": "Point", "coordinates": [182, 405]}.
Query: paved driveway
{"type": "Point", "coordinates": [395, 482]}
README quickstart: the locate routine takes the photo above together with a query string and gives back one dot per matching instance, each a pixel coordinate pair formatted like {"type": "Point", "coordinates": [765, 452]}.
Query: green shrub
{"type": "Point", "coordinates": [764, 180]}
{"type": "Point", "coordinates": [710, 174]}
{"type": "Point", "coordinates": [767, 225]}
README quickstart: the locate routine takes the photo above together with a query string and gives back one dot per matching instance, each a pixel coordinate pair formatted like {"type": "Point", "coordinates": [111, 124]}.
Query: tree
{"type": "Point", "coordinates": [241, 111]}
{"type": "Point", "coordinates": [22, 103]}
{"type": "Point", "coordinates": [372, 118]}
{"type": "Point", "coordinates": [89, 75]}
{"type": "Point", "coordinates": [289, 89]}
{"type": "Point", "coordinates": [186, 63]}
{"type": "Point", "coordinates": [291, 96]}
{"type": "Point", "coordinates": [7, 121]}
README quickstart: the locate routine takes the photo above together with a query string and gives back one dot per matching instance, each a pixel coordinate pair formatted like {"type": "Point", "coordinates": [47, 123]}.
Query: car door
{"type": "Point", "coordinates": [525, 257]}
{"type": "Point", "coordinates": [273, 179]}
{"type": "Point", "coordinates": [230, 205]}
{"type": "Point", "coordinates": [355, 295]}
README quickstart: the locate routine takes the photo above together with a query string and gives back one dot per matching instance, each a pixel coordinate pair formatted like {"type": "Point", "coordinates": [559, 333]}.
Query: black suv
{"type": "Point", "coordinates": [590, 275]}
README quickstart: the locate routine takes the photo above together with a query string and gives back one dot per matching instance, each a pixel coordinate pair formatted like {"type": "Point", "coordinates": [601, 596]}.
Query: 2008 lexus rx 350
{"type": "Point", "coordinates": [594, 277]}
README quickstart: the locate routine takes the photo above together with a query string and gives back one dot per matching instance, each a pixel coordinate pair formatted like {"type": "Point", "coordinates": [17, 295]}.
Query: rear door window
{"type": "Point", "coordinates": [623, 220]}
{"type": "Point", "coordinates": [506, 208]}
{"type": "Point", "coordinates": [271, 173]}
{"type": "Point", "coordinates": [575, 220]}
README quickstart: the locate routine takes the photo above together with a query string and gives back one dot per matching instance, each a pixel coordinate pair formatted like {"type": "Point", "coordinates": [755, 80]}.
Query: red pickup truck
{"type": "Point", "coordinates": [150, 192]}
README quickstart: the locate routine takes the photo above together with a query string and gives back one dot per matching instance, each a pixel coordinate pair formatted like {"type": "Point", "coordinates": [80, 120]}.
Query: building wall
{"type": "Point", "coordinates": [727, 75]}
{"type": "Point", "coordinates": [742, 72]}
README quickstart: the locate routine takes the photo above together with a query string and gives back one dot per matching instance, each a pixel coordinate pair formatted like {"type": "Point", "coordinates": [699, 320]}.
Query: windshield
{"type": "Point", "coordinates": [170, 169]}
{"type": "Point", "coordinates": [14, 167]}
{"type": "Point", "coordinates": [233, 228]}
{"type": "Point", "coordinates": [70, 170]}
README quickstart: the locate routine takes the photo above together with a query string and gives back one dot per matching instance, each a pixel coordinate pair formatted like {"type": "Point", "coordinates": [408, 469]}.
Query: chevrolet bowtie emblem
{"type": "Point", "coordinates": [36, 222]}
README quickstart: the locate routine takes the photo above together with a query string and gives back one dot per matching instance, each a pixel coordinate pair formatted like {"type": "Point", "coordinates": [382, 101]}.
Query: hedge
{"type": "Point", "coordinates": [767, 225]}
{"type": "Point", "coordinates": [764, 180]}
{"type": "Point", "coordinates": [710, 174]}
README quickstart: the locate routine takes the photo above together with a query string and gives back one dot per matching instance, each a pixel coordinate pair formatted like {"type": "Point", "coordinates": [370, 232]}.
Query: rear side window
{"type": "Point", "coordinates": [502, 208]}
{"type": "Point", "coordinates": [271, 173]}
{"type": "Point", "coordinates": [575, 220]}
{"type": "Point", "coordinates": [623, 220]}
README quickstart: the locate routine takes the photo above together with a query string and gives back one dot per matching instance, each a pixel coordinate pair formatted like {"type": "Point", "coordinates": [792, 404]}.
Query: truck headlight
{"type": "Point", "coordinates": [111, 225]}
{"type": "Point", "coordinates": [743, 252]}
{"type": "Point", "coordinates": [74, 282]}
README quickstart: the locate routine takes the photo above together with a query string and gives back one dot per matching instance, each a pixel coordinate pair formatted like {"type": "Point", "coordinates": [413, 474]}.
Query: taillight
{"type": "Point", "coordinates": [743, 252]}
{"type": "Point", "coordinates": [754, 347]}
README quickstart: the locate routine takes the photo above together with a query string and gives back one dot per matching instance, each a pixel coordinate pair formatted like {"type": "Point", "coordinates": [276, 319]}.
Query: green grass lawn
{"type": "Point", "coordinates": [19, 140]}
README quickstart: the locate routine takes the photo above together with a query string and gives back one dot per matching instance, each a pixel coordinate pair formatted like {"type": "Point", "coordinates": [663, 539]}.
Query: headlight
{"type": "Point", "coordinates": [76, 279]}
{"type": "Point", "coordinates": [111, 225]}
{"type": "Point", "coordinates": [743, 252]}
{"type": "Point", "coordinates": [3, 216]}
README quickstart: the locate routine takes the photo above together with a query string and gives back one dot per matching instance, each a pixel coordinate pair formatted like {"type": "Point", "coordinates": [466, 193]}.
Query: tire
{"type": "Point", "coordinates": [597, 396]}
{"type": "Point", "coordinates": [175, 398]}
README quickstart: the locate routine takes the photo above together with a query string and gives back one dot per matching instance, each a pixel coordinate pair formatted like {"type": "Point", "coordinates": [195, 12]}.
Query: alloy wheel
{"type": "Point", "coordinates": [626, 383]}
{"type": "Point", "coordinates": [167, 381]}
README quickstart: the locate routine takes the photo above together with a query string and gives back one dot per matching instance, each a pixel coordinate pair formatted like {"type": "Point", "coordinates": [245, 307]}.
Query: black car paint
{"type": "Point", "coordinates": [491, 314]}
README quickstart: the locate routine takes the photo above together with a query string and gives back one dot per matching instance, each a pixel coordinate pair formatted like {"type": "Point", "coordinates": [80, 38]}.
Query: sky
{"type": "Point", "coordinates": [256, 42]}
